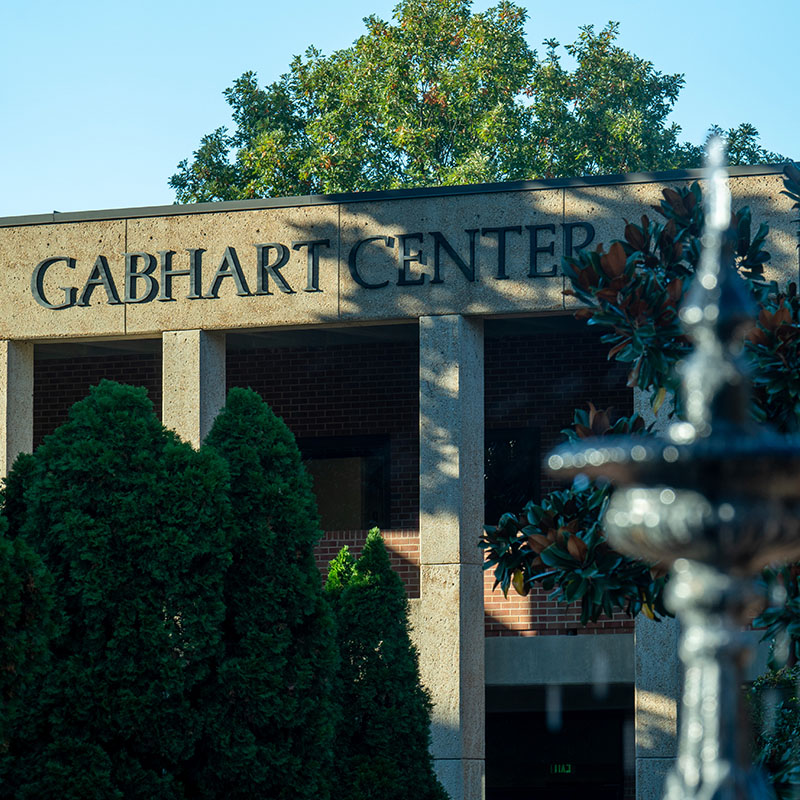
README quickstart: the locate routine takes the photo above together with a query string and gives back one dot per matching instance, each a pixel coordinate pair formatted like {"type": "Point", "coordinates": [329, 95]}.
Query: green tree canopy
{"type": "Point", "coordinates": [443, 96]}
{"type": "Point", "coordinates": [384, 731]}
{"type": "Point", "coordinates": [270, 703]}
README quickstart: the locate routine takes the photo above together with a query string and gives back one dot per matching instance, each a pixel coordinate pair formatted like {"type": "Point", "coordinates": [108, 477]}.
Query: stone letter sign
{"type": "Point", "coordinates": [152, 276]}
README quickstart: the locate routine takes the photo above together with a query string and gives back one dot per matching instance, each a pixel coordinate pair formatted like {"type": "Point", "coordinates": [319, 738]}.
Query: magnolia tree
{"type": "Point", "coordinates": [632, 292]}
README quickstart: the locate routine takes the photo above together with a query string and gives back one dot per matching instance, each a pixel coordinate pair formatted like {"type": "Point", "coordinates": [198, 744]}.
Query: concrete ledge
{"type": "Point", "coordinates": [531, 660]}
{"type": "Point", "coordinates": [539, 660]}
{"type": "Point", "coordinates": [386, 194]}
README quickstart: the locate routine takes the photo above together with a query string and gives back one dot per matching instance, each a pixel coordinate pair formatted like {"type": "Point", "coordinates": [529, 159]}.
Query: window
{"type": "Point", "coordinates": [511, 471]}
{"type": "Point", "coordinates": [351, 480]}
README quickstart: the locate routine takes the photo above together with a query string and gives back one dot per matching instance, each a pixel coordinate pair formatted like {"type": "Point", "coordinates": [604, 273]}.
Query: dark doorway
{"type": "Point", "coordinates": [584, 757]}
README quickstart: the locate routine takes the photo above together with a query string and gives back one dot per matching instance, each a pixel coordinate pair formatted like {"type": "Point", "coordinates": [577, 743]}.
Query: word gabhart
{"type": "Point", "coordinates": [140, 266]}
{"type": "Point", "coordinates": [142, 286]}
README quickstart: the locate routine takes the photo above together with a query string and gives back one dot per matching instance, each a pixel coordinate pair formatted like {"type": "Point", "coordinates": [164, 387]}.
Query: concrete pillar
{"type": "Point", "coordinates": [657, 677]}
{"type": "Point", "coordinates": [658, 686]}
{"type": "Point", "coordinates": [16, 401]}
{"type": "Point", "coordinates": [193, 382]}
{"type": "Point", "coordinates": [450, 620]}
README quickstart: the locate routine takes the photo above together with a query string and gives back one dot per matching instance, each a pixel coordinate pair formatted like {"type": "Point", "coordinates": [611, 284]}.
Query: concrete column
{"type": "Point", "coordinates": [658, 686]}
{"type": "Point", "coordinates": [449, 621]}
{"type": "Point", "coordinates": [16, 401]}
{"type": "Point", "coordinates": [657, 677]}
{"type": "Point", "coordinates": [193, 382]}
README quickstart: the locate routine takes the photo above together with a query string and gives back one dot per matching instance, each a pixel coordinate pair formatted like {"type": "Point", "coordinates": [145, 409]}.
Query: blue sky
{"type": "Point", "coordinates": [100, 100]}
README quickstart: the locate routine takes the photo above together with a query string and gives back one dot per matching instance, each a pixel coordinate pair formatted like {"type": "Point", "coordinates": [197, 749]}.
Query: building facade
{"type": "Point", "coordinates": [419, 345]}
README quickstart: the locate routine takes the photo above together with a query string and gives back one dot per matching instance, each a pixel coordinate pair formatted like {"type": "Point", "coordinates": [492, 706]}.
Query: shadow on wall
{"type": "Point", "coordinates": [656, 722]}
{"type": "Point", "coordinates": [482, 252]}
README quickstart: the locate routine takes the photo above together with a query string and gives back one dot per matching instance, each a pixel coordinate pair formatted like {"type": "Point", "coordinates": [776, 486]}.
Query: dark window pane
{"type": "Point", "coordinates": [351, 480]}
{"type": "Point", "coordinates": [511, 471]}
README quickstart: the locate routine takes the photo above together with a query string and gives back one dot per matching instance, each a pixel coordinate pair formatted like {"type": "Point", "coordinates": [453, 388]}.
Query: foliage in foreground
{"type": "Point", "coordinates": [775, 710]}
{"type": "Point", "coordinates": [164, 632]}
{"type": "Point", "coordinates": [26, 607]}
{"type": "Point", "coordinates": [559, 543]}
{"type": "Point", "coordinates": [270, 702]}
{"type": "Point", "coordinates": [384, 730]}
{"type": "Point", "coordinates": [633, 292]}
{"type": "Point", "coordinates": [166, 609]}
{"type": "Point", "coordinates": [132, 525]}
{"type": "Point", "coordinates": [439, 96]}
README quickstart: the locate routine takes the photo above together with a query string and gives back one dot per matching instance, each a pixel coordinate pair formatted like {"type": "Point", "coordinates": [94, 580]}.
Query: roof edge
{"type": "Point", "coordinates": [374, 196]}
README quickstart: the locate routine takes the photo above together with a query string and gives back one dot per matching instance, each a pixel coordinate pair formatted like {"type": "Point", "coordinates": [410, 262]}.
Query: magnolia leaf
{"type": "Point", "coordinates": [635, 237]}
{"type": "Point", "coordinates": [577, 548]}
{"type": "Point", "coordinates": [518, 581]}
{"type": "Point", "coordinates": [538, 542]}
{"type": "Point", "coordinates": [613, 262]}
{"type": "Point", "coordinates": [661, 396]}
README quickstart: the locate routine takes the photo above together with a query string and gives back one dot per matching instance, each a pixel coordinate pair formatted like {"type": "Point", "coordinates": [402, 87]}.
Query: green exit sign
{"type": "Point", "coordinates": [561, 769]}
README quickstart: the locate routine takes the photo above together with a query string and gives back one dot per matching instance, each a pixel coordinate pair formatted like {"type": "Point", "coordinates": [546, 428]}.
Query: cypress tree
{"type": "Point", "coordinates": [132, 524]}
{"type": "Point", "coordinates": [272, 693]}
{"type": "Point", "coordinates": [384, 731]}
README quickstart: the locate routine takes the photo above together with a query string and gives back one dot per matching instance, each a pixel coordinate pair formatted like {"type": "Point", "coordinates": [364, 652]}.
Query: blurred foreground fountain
{"type": "Point", "coordinates": [717, 499]}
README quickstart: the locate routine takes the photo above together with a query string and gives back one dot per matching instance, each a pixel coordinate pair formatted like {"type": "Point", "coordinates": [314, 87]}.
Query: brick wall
{"type": "Point", "coordinates": [58, 383]}
{"type": "Point", "coordinates": [346, 390]}
{"type": "Point", "coordinates": [537, 381]}
{"type": "Point", "coordinates": [535, 615]}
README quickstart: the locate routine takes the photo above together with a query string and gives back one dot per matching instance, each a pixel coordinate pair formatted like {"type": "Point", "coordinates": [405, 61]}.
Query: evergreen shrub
{"type": "Point", "coordinates": [384, 732]}
{"type": "Point", "coordinates": [133, 525]}
{"type": "Point", "coordinates": [271, 699]}
{"type": "Point", "coordinates": [25, 629]}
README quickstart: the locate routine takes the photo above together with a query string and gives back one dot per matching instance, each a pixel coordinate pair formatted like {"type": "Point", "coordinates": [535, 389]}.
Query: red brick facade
{"type": "Point", "coordinates": [58, 383]}
{"type": "Point", "coordinates": [537, 381]}
{"type": "Point", "coordinates": [346, 390]}
{"type": "Point", "coordinates": [533, 380]}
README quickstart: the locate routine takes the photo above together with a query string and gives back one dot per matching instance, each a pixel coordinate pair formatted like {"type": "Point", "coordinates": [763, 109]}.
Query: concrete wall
{"type": "Point", "coordinates": [306, 261]}
{"type": "Point", "coordinates": [546, 660]}
{"type": "Point", "coordinates": [450, 619]}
